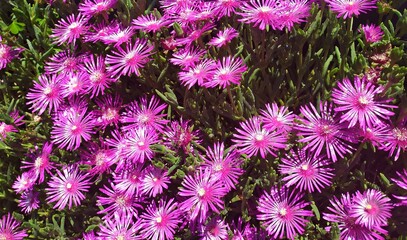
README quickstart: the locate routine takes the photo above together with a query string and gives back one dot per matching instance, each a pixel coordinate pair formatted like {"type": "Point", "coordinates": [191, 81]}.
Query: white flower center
{"type": "Point", "coordinates": [38, 162]}
{"type": "Point", "coordinates": [68, 185]}
{"type": "Point", "coordinates": [259, 137]}
{"type": "Point", "coordinates": [283, 211]}
{"type": "Point", "coordinates": [47, 90]}
{"type": "Point", "coordinates": [304, 167]}
{"type": "Point", "coordinates": [201, 192]}
{"type": "Point", "coordinates": [159, 219]}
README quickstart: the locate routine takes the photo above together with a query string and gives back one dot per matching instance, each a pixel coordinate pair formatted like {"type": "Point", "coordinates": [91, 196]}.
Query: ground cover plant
{"type": "Point", "coordinates": [224, 119]}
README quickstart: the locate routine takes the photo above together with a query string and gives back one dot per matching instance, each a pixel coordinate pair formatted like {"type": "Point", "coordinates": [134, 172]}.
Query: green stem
{"type": "Point", "coordinates": [231, 98]}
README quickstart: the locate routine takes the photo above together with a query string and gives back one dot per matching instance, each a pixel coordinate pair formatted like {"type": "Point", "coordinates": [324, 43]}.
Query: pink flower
{"type": "Point", "coordinates": [187, 57]}
{"type": "Point", "coordinates": [201, 73]}
{"type": "Point", "coordinates": [118, 36]}
{"type": "Point", "coordinates": [67, 31]}
{"type": "Point", "coordinates": [228, 71]}
{"type": "Point", "coordinates": [225, 166]}
{"type": "Point", "coordinates": [372, 208]}
{"type": "Point", "coordinates": [29, 201]}
{"type": "Point", "coordinates": [108, 112]}
{"type": "Point", "coordinates": [360, 104]}
{"type": "Point", "coordinates": [306, 172]}
{"type": "Point", "coordinates": [215, 229]}
{"type": "Point", "coordinates": [119, 226]}
{"type": "Point", "coordinates": [283, 213]}
{"type": "Point", "coordinates": [160, 222]}
{"type": "Point", "coordinates": [224, 37]}
{"type": "Point", "coordinates": [145, 113]}
{"type": "Point", "coordinates": [154, 181]}
{"type": "Point", "coordinates": [25, 182]}
{"type": "Point", "coordinates": [130, 180]}
{"type": "Point", "coordinates": [193, 34]}
{"type": "Point", "coordinates": [8, 228]}
{"type": "Point", "coordinates": [150, 23]}
{"type": "Point", "coordinates": [228, 7]}
{"type": "Point", "coordinates": [41, 162]}
{"type": "Point", "coordinates": [322, 129]}
{"type": "Point", "coordinates": [402, 183]}
{"type": "Point", "coordinates": [372, 33]}
{"type": "Point", "coordinates": [293, 11]}
{"type": "Point", "coordinates": [64, 62]}
{"type": "Point", "coordinates": [98, 157]}
{"type": "Point", "coordinates": [67, 187]}
{"type": "Point", "coordinates": [138, 144]}
{"type": "Point", "coordinates": [350, 8]}
{"type": "Point", "coordinates": [47, 93]}
{"type": "Point", "coordinates": [253, 138]}
{"type": "Point", "coordinates": [99, 79]}
{"type": "Point", "coordinates": [261, 13]}
{"type": "Point", "coordinates": [71, 126]}
{"type": "Point", "coordinates": [129, 60]}
{"type": "Point", "coordinates": [7, 54]}
{"type": "Point", "coordinates": [275, 117]}
{"type": "Point", "coordinates": [204, 192]}
{"type": "Point", "coordinates": [180, 134]}
{"type": "Point", "coordinates": [74, 84]}
{"type": "Point", "coordinates": [94, 7]}
{"type": "Point", "coordinates": [396, 141]}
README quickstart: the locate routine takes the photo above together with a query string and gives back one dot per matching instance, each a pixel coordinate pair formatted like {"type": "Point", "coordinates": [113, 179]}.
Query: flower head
{"type": "Point", "coordinates": [305, 171]}
{"type": "Point", "coordinates": [160, 222]}
{"type": "Point", "coordinates": [262, 13]}
{"type": "Point", "coordinates": [402, 183]}
{"type": "Point", "coordinates": [371, 208]}
{"type": "Point", "coordinates": [275, 117]}
{"type": "Point", "coordinates": [322, 129]}
{"type": "Point", "coordinates": [145, 113]}
{"type": "Point", "coordinates": [8, 228]}
{"type": "Point", "coordinates": [180, 134]}
{"type": "Point", "coordinates": [67, 187]}
{"type": "Point", "coordinates": [130, 60]}
{"type": "Point", "coordinates": [253, 138]}
{"type": "Point", "coordinates": [98, 157]}
{"type": "Point", "coordinates": [98, 78]}
{"type": "Point", "coordinates": [74, 84]}
{"type": "Point", "coordinates": [360, 103]}
{"type": "Point", "coordinates": [94, 7]}
{"type": "Point", "coordinates": [41, 162]}
{"type": "Point", "coordinates": [215, 229]}
{"type": "Point", "coordinates": [224, 37]}
{"type": "Point", "coordinates": [201, 73]}
{"type": "Point", "coordinates": [119, 226]}
{"type": "Point", "coordinates": [67, 31]}
{"type": "Point", "coordinates": [187, 57]}
{"type": "Point", "coordinates": [283, 213]}
{"type": "Point", "coordinates": [228, 71]}
{"type": "Point", "coordinates": [350, 8]}
{"type": "Point", "coordinates": [228, 7]}
{"type": "Point", "coordinates": [25, 182]}
{"type": "Point", "coordinates": [204, 193]}
{"type": "Point", "coordinates": [150, 23]}
{"type": "Point", "coordinates": [138, 144]}
{"type": "Point", "coordinates": [154, 181]}
{"type": "Point", "coordinates": [226, 166]}
{"type": "Point", "coordinates": [64, 62]}
{"type": "Point", "coordinates": [130, 181]}
{"type": "Point", "coordinates": [7, 54]}
{"type": "Point", "coordinates": [109, 110]}
{"type": "Point", "coordinates": [29, 201]}
{"type": "Point", "coordinates": [71, 126]}
{"type": "Point", "coordinates": [395, 141]}
{"type": "Point", "coordinates": [47, 93]}
{"type": "Point", "coordinates": [372, 33]}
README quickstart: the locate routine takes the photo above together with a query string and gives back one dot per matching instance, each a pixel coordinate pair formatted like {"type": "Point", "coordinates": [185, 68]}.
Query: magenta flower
{"type": "Point", "coordinates": [305, 171]}
{"type": "Point", "coordinates": [179, 134]}
{"type": "Point", "coordinates": [225, 166]}
{"type": "Point", "coordinates": [129, 60]}
{"type": "Point", "coordinates": [145, 113]}
{"type": "Point", "coordinates": [275, 117]}
{"type": "Point", "coordinates": [117, 143]}
{"type": "Point", "coordinates": [370, 209]}
{"type": "Point", "coordinates": [94, 7]}
{"type": "Point", "coordinates": [283, 213]}
{"type": "Point", "coordinates": [372, 33]}
{"type": "Point", "coordinates": [130, 181]}
{"type": "Point", "coordinates": [41, 162]}
{"type": "Point", "coordinates": [321, 129]}
{"type": "Point", "coordinates": [7, 54]}
{"type": "Point", "coordinates": [154, 181]}
{"type": "Point", "coordinates": [253, 138]}
{"type": "Point", "coordinates": [201, 73]}
{"type": "Point", "coordinates": [228, 7]}
{"type": "Point", "coordinates": [67, 31]}
{"type": "Point", "coordinates": [24, 182]}
{"type": "Point", "coordinates": [360, 103]}
{"type": "Point", "coordinates": [194, 34]}
{"type": "Point", "coordinates": [99, 79]}
{"type": "Point", "coordinates": [17, 121]}
{"type": "Point", "coordinates": [228, 71]}
{"type": "Point", "coordinates": [74, 84]}
{"type": "Point", "coordinates": [64, 62]}
{"type": "Point", "coordinates": [150, 23]}
{"type": "Point", "coordinates": [118, 36]}
{"type": "Point", "coordinates": [349, 229]}
{"type": "Point", "coordinates": [160, 222]}
{"type": "Point", "coordinates": [262, 13]}
{"type": "Point", "coordinates": [138, 144]}
{"type": "Point", "coordinates": [117, 201]}
{"type": "Point", "coordinates": [402, 183]}
{"type": "Point", "coordinates": [71, 127]}
{"type": "Point", "coordinates": [98, 157]}
{"type": "Point", "coordinates": [293, 11]}
{"type": "Point", "coordinates": [108, 112]}
{"type": "Point", "coordinates": [187, 57]}
{"type": "Point", "coordinates": [118, 227]}
{"type": "Point", "coordinates": [8, 228]}
{"type": "Point", "coordinates": [395, 141]}
{"type": "Point", "coordinates": [375, 135]}
{"type": "Point", "coordinates": [350, 8]}
{"type": "Point", "coordinates": [224, 37]}
{"type": "Point", "coordinates": [29, 201]}
{"type": "Point", "coordinates": [67, 187]}
{"type": "Point", "coordinates": [215, 229]}
{"type": "Point", "coordinates": [101, 30]}
{"type": "Point", "coordinates": [47, 93]}
{"type": "Point", "coordinates": [204, 192]}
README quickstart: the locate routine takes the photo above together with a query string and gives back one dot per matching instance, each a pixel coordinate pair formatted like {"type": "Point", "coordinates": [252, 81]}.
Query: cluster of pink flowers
{"type": "Point", "coordinates": [120, 140]}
